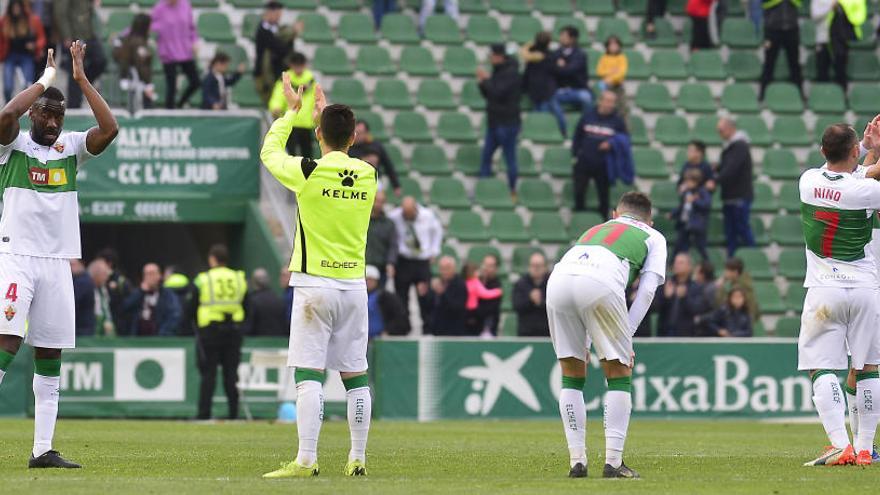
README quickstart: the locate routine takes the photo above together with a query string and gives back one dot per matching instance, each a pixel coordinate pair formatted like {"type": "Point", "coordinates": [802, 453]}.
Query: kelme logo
{"type": "Point", "coordinates": [348, 177]}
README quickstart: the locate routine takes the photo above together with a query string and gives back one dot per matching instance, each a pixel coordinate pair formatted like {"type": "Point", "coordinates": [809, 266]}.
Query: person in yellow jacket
{"type": "Point", "coordinates": [838, 22]}
{"type": "Point", "coordinates": [612, 69]}
{"type": "Point", "coordinates": [300, 138]}
{"type": "Point", "coordinates": [221, 293]}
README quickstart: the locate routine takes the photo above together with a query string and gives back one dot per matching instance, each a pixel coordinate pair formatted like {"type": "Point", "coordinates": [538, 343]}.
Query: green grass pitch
{"type": "Point", "coordinates": [152, 457]}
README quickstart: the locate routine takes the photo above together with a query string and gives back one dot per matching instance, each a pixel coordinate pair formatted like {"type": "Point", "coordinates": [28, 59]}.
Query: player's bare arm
{"type": "Point", "coordinates": [100, 137]}
{"type": "Point", "coordinates": [22, 102]}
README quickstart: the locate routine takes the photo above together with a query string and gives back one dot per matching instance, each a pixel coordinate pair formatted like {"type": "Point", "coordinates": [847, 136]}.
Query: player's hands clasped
{"type": "Point", "coordinates": [50, 59]}
{"type": "Point", "coordinates": [294, 98]}
{"type": "Point", "coordinates": [320, 103]}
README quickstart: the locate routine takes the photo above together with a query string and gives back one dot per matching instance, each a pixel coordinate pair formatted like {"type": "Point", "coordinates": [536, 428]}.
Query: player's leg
{"type": "Point", "coordinates": [16, 291]}
{"type": "Point", "coordinates": [862, 335]}
{"type": "Point", "coordinates": [851, 403]}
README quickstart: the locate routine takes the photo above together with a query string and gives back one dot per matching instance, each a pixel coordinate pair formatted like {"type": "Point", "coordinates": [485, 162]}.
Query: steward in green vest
{"type": "Point", "coordinates": [186, 293]}
{"type": "Point", "coordinates": [221, 293]}
{"type": "Point", "coordinates": [303, 125]}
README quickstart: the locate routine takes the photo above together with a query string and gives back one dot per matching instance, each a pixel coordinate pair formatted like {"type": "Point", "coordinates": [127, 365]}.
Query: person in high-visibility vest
{"type": "Point", "coordinates": [838, 22]}
{"type": "Point", "coordinates": [303, 125]}
{"type": "Point", "coordinates": [221, 293]}
{"type": "Point", "coordinates": [781, 32]}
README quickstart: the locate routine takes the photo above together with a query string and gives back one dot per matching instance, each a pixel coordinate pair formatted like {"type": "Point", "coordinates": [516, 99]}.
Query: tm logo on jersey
{"type": "Point", "coordinates": [48, 176]}
{"type": "Point", "coordinates": [348, 178]}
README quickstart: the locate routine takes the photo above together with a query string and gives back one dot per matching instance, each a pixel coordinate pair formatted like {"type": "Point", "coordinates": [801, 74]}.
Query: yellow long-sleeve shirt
{"type": "Point", "coordinates": [612, 68]}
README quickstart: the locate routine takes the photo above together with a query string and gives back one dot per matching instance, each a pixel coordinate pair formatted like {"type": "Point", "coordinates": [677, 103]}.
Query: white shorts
{"type": "Point", "coordinates": [582, 310]}
{"type": "Point", "coordinates": [836, 320]}
{"type": "Point", "coordinates": [37, 300]}
{"type": "Point", "coordinates": [328, 329]}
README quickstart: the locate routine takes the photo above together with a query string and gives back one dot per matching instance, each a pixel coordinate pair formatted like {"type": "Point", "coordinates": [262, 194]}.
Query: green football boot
{"type": "Point", "coordinates": [356, 468]}
{"type": "Point", "coordinates": [294, 470]}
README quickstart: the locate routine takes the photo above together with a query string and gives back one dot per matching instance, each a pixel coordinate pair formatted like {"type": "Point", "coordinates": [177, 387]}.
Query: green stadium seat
{"type": "Point", "coordinates": [215, 26]}
{"type": "Point", "coordinates": [706, 65]}
{"type": "Point", "coordinates": [484, 30]}
{"type": "Point", "coordinates": [471, 96]}
{"type": "Point", "coordinates": [493, 194]}
{"type": "Point", "coordinates": [316, 29]}
{"type": "Point", "coordinates": [412, 127]}
{"type": "Point", "coordinates": [582, 221]}
{"type": "Point", "coordinates": [116, 3]}
{"type": "Point", "coordinates": [705, 129]}
{"type": "Point", "coordinates": [781, 164]}
{"type": "Point", "coordinates": [739, 33]}
{"type": "Point", "coordinates": [756, 263]}
{"type": "Point", "coordinates": [554, 7]}
{"type": "Point", "coordinates": [790, 130]}
{"type": "Point", "coordinates": [460, 61]}
{"type": "Point", "coordinates": [375, 61]}
{"type": "Point", "coordinates": [612, 25]}
{"type": "Point", "coordinates": [863, 68]}
{"type": "Point", "coordinates": [300, 4]}
{"type": "Point", "coordinates": [526, 163]}
{"type": "Point", "coordinates": [869, 37]}
{"type": "Point", "coordinates": [449, 193]}
{"type": "Point", "coordinates": [765, 200]}
{"type": "Point", "coordinates": [864, 98]}
{"type": "Point", "coordinates": [396, 156]}
{"type": "Point", "coordinates": [357, 29]}
{"type": "Point", "coordinates": [351, 92]}
{"type": "Point", "coordinates": [476, 254]}
{"type": "Point", "coordinates": [787, 231]}
{"type": "Point", "coordinates": [237, 54]}
{"type": "Point", "coordinates": [435, 94]}
{"type": "Point", "coordinates": [768, 297]}
{"type": "Point", "coordinates": [696, 98]}
{"type": "Point", "coordinates": [467, 159]}
{"type": "Point", "coordinates": [759, 231]}
{"type": "Point", "coordinates": [548, 227]}
{"type": "Point", "coordinates": [668, 65]}
{"type": "Point", "coordinates": [649, 163]}
{"type": "Point", "coordinates": [536, 194]}
{"type": "Point", "coordinates": [740, 98]}
{"type": "Point", "coordinates": [331, 60]}
{"type": "Point", "coordinates": [595, 7]}
{"type": "Point", "coordinates": [787, 327]}
{"type": "Point", "coordinates": [827, 98]}
{"type": "Point", "coordinates": [637, 68]}
{"type": "Point", "coordinates": [783, 97]}
{"type": "Point", "coordinates": [342, 4]}
{"type": "Point", "coordinates": [633, 7]}
{"type": "Point", "coordinates": [794, 298]}
{"type": "Point", "coordinates": [664, 35]}
{"type": "Point", "coordinates": [204, 4]}
{"type": "Point", "coordinates": [790, 197]}
{"type": "Point", "coordinates": [821, 123]}
{"type": "Point", "coordinates": [523, 28]}
{"type": "Point", "coordinates": [562, 21]}
{"type": "Point", "coordinates": [418, 61]}
{"type": "Point", "coordinates": [248, 24]}
{"type": "Point", "coordinates": [411, 187]}
{"type": "Point", "coordinates": [744, 66]}
{"type": "Point", "coordinates": [665, 195]}
{"type": "Point", "coordinates": [557, 161]}
{"type": "Point", "coordinates": [756, 128]}
{"type": "Point", "coordinates": [473, 6]}
{"type": "Point", "coordinates": [716, 231]}
{"type": "Point", "coordinates": [638, 132]}
{"type": "Point", "coordinates": [399, 29]}
{"type": "Point", "coordinates": [510, 6]}
{"type": "Point", "coordinates": [455, 127]}
{"type": "Point", "coordinates": [393, 94]}
{"type": "Point", "coordinates": [245, 93]}
{"type": "Point", "coordinates": [429, 159]}
{"type": "Point", "coordinates": [507, 226]}
{"type": "Point", "coordinates": [467, 226]}
{"type": "Point", "coordinates": [521, 255]}
{"type": "Point", "coordinates": [377, 126]}
{"type": "Point", "coordinates": [672, 130]}
{"type": "Point", "coordinates": [541, 128]}
{"type": "Point", "coordinates": [793, 263]}
{"type": "Point", "coordinates": [654, 97]}
{"type": "Point", "coordinates": [442, 30]}
{"type": "Point", "coordinates": [120, 20]}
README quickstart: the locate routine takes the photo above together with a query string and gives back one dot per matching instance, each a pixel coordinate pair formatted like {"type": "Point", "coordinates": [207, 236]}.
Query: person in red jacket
{"type": "Point", "coordinates": [22, 40]}
{"type": "Point", "coordinates": [699, 11]}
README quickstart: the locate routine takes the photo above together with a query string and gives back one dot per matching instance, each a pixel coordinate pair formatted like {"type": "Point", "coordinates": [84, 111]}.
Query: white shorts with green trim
{"type": "Point", "coordinates": [836, 320]}
{"type": "Point", "coordinates": [582, 310]}
{"type": "Point", "coordinates": [36, 300]}
{"type": "Point", "coordinates": [328, 329]}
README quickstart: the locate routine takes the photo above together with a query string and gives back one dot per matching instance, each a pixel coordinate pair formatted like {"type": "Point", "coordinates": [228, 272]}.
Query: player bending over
{"type": "Point", "coordinates": [39, 234]}
{"type": "Point", "coordinates": [586, 303]}
{"type": "Point", "coordinates": [840, 309]}
{"type": "Point", "coordinates": [329, 321]}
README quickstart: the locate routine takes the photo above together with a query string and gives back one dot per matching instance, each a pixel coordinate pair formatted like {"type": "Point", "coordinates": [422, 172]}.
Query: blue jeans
{"type": "Point", "coordinates": [505, 137]}
{"type": "Point", "coordinates": [582, 97]}
{"type": "Point", "coordinates": [756, 15]}
{"type": "Point", "coordinates": [382, 7]}
{"type": "Point", "coordinates": [22, 61]}
{"type": "Point", "coordinates": [737, 231]}
{"type": "Point", "coordinates": [428, 6]}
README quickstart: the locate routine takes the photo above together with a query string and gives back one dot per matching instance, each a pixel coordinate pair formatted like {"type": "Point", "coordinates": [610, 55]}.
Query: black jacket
{"type": "Point", "coordinates": [393, 315]}
{"type": "Point", "coordinates": [532, 318]}
{"type": "Point", "coordinates": [735, 170]}
{"type": "Point", "coordinates": [211, 89]}
{"type": "Point", "coordinates": [502, 93]}
{"type": "Point", "coordinates": [381, 242]}
{"type": "Point", "coordinates": [264, 315]}
{"type": "Point", "coordinates": [539, 78]}
{"type": "Point", "coordinates": [675, 316]}
{"type": "Point", "coordinates": [361, 150]}
{"type": "Point", "coordinates": [737, 323]}
{"type": "Point", "coordinates": [592, 130]}
{"type": "Point", "coordinates": [781, 17]}
{"type": "Point", "coordinates": [84, 304]}
{"type": "Point", "coordinates": [166, 315]}
{"type": "Point", "coordinates": [489, 310]}
{"type": "Point", "coordinates": [273, 46]}
{"type": "Point", "coordinates": [447, 310]}
{"type": "Point", "coordinates": [575, 73]}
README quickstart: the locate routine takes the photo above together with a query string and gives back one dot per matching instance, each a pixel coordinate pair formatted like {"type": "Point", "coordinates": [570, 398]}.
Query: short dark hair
{"type": "Point", "coordinates": [693, 174]}
{"type": "Point", "coordinates": [274, 5]}
{"type": "Point", "coordinates": [699, 145]}
{"type": "Point", "coordinates": [297, 58]}
{"type": "Point", "coordinates": [494, 257]}
{"type": "Point", "coordinates": [337, 125]}
{"type": "Point", "coordinates": [735, 264]}
{"type": "Point", "coordinates": [637, 203]}
{"type": "Point", "coordinates": [611, 38]}
{"type": "Point", "coordinates": [837, 141]}
{"type": "Point", "coordinates": [571, 31]}
{"type": "Point", "coordinates": [220, 253]}
{"type": "Point", "coordinates": [363, 123]}
{"type": "Point", "coordinates": [708, 269]}
{"type": "Point", "coordinates": [53, 94]}
{"type": "Point", "coordinates": [220, 58]}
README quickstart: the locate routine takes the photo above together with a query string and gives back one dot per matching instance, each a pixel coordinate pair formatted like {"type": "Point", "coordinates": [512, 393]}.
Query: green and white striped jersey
{"type": "Point", "coordinates": [40, 208]}
{"type": "Point", "coordinates": [616, 252]}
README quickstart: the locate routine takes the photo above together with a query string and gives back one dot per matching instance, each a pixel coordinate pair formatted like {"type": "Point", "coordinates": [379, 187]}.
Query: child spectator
{"type": "Point", "coordinates": [692, 215]}
{"type": "Point", "coordinates": [216, 84]}
{"type": "Point", "coordinates": [733, 319]}
{"type": "Point", "coordinates": [475, 292]}
{"type": "Point", "coordinates": [612, 71]}
{"type": "Point", "coordinates": [133, 55]}
{"type": "Point", "coordinates": [300, 141]}
{"type": "Point", "coordinates": [539, 78]}
{"type": "Point", "coordinates": [701, 300]}
{"type": "Point", "coordinates": [698, 11]}
{"type": "Point", "coordinates": [735, 276]}
{"type": "Point", "coordinates": [696, 160]}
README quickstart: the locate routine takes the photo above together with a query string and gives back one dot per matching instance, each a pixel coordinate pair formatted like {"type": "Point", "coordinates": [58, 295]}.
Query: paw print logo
{"type": "Point", "coordinates": [348, 177]}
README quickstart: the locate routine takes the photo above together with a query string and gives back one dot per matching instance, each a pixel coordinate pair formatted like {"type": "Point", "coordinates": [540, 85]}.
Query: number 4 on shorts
{"type": "Point", "coordinates": [12, 292]}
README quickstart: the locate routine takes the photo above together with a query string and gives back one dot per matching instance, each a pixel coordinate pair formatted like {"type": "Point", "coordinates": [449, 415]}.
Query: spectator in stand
{"type": "Point", "coordinates": [591, 147]}
{"type": "Point", "coordinates": [696, 160]}
{"type": "Point", "coordinates": [43, 10]}
{"type": "Point", "coordinates": [734, 175]}
{"type": "Point", "coordinates": [699, 12]}
{"type": "Point", "coordinates": [187, 296]}
{"type": "Point", "coordinates": [152, 309]}
{"type": "Point", "coordinates": [134, 56]}
{"type": "Point", "coordinates": [380, 8]}
{"type": "Point", "coordinates": [572, 77]}
{"type": "Point", "coordinates": [530, 299]}
{"type": "Point", "coordinates": [837, 24]}
{"type": "Point", "coordinates": [100, 273]}
{"type": "Point", "coordinates": [692, 215]}
{"type": "Point", "coordinates": [447, 301]}
{"type": "Point", "coordinates": [79, 20]}
{"type": "Point", "coordinates": [656, 8]}
{"type": "Point", "coordinates": [273, 44]}
{"type": "Point", "coordinates": [419, 236]}
{"type": "Point", "coordinates": [119, 288]}
{"type": "Point", "coordinates": [217, 82]}
{"type": "Point", "coordinates": [612, 69]}
{"type": "Point", "coordinates": [502, 93]}
{"type": "Point", "coordinates": [476, 292]}
{"type": "Point", "coordinates": [21, 38]}
{"type": "Point", "coordinates": [303, 124]}
{"type": "Point", "coordinates": [381, 241]}
{"type": "Point", "coordinates": [539, 78]}
{"type": "Point", "coordinates": [781, 31]}
{"type": "Point", "coordinates": [264, 309]}
{"type": "Point", "coordinates": [384, 309]}
{"type": "Point", "coordinates": [675, 316]}
{"type": "Point", "coordinates": [733, 320]}
{"type": "Point", "coordinates": [428, 7]}
{"type": "Point", "coordinates": [84, 299]}
{"type": "Point", "coordinates": [176, 40]}
{"type": "Point", "coordinates": [736, 276]}
{"type": "Point", "coordinates": [371, 151]}
{"type": "Point", "coordinates": [701, 298]}
{"type": "Point", "coordinates": [756, 14]}
{"type": "Point", "coordinates": [489, 310]}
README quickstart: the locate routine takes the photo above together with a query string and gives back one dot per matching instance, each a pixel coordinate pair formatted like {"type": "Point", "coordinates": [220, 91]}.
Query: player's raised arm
{"type": "Point", "coordinates": [22, 102]}
{"type": "Point", "coordinates": [100, 137]}
{"type": "Point", "coordinates": [282, 166]}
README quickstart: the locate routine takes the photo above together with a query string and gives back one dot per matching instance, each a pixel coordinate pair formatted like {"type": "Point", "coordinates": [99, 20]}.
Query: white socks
{"type": "Point", "coordinates": [360, 410]}
{"type": "Point", "coordinates": [853, 409]}
{"type": "Point", "coordinates": [618, 407]}
{"type": "Point", "coordinates": [45, 412]}
{"type": "Point", "coordinates": [574, 421]}
{"type": "Point", "coordinates": [310, 414]}
{"type": "Point", "coordinates": [828, 398]}
{"type": "Point", "coordinates": [868, 395]}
